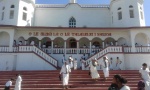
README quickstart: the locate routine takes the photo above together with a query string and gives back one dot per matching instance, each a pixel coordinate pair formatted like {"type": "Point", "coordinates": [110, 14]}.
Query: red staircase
{"type": "Point", "coordinates": [79, 80]}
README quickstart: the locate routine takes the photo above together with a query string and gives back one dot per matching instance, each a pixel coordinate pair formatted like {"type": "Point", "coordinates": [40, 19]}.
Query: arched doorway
{"type": "Point", "coordinates": [71, 43]}
{"type": "Point", "coordinates": [141, 39]}
{"type": "Point", "coordinates": [122, 42]}
{"type": "Point", "coordinates": [109, 42]}
{"type": "Point", "coordinates": [36, 41]}
{"type": "Point", "coordinates": [84, 43]}
{"type": "Point", "coordinates": [58, 42]}
{"type": "Point", "coordinates": [97, 42]}
{"type": "Point", "coordinates": [4, 39]}
{"type": "Point", "coordinates": [46, 41]}
{"type": "Point", "coordinates": [21, 40]}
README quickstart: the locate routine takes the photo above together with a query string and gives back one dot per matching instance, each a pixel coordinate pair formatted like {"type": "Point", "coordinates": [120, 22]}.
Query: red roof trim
{"type": "Point", "coordinates": [67, 28]}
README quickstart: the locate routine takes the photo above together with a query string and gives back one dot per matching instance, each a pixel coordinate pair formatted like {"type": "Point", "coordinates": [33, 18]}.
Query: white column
{"type": "Point", "coordinates": [132, 42]}
{"type": "Point", "coordinates": [52, 46]}
{"type": "Point", "coordinates": [77, 47]}
{"type": "Point", "coordinates": [25, 42]}
{"type": "Point", "coordinates": [39, 43]}
{"type": "Point", "coordinates": [103, 44]}
{"type": "Point", "coordinates": [65, 47]}
{"type": "Point", "coordinates": [90, 47]}
{"type": "Point", "coordinates": [11, 41]}
{"type": "Point", "coordinates": [116, 43]}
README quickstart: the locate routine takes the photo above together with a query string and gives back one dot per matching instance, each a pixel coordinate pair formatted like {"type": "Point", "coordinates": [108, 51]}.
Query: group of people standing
{"type": "Point", "coordinates": [17, 85]}
{"type": "Point", "coordinates": [118, 83]}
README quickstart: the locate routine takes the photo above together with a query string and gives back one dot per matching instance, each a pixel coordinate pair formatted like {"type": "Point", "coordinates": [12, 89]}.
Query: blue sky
{"type": "Point", "coordinates": [146, 5]}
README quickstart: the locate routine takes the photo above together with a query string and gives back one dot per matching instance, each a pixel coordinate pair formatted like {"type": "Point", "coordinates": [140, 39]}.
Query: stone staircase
{"type": "Point", "coordinates": [79, 80]}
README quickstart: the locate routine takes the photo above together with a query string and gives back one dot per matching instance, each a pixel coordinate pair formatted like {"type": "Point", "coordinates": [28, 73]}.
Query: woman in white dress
{"type": "Point", "coordinates": [120, 82]}
{"type": "Point", "coordinates": [93, 70]}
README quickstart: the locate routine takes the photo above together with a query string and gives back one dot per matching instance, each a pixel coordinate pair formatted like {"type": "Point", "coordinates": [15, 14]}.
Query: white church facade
{"type": "Point", "coordinates": [36, 36]}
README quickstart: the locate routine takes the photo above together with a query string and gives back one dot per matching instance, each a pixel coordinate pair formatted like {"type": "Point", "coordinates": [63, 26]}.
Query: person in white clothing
{"type": "Point", "coordinates": [18, 82]}
{"type": "Point", "coordinates": [65, 70]}
{"type": "Point", "coordinates": [93, 70]}
{"type": "Point", "coordinates": [117, 64]}
{"type": "Point", "coordinates": [145, 75]}
{"type": "Point", "coordinates": [75, 63]}
{"type": "Point", "coordinates": [32, 43]}
{"type": "Point", "coordinates": [120, 82]}
{"type": "Point", "coordinates": [82, 64]}
{"type": "Point", "coordinates": [70, 61]}
{"type": "Point", "coordinates": [8, 84]}
{"type": "Point", "coordinates": [105, 66]}
{"type": "Point", "coordinates": [111, 64]}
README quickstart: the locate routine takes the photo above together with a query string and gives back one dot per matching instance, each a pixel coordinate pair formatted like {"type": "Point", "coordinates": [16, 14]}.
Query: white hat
{"type": "Point", "coordinates": [106, 57]}
{"type": "Point", "coordinates": [95, 59]}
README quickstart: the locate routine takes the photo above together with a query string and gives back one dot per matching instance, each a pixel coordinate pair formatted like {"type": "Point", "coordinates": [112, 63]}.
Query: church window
{"type": "Point", "coordinates": [24, 15]}
{"type": "Point", "coordinates": [141, 14]}
{"type": "Point", "coordinates": [72, 22]}
{"type": "Point", "coordinates": [119, 8]}
{"type": "Point", "coordinates": [24, 8]}
{"type": "Point", "coordinates": [119, 13]}
{"type": "Point", "coordinates": [12, 6]}
{"type": "Point", "coordinates": [2, 18]}
{"type": "Point", "coordinates": [11, 14]}
{"type": "Point", "coordinates": [131, 11]}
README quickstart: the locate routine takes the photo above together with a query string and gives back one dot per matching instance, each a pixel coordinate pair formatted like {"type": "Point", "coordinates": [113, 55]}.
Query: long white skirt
{"type": "Point", "coordinates": [94, 73]}
{"type": "Point", "coordinates": [147, 85]}
{"type": "Point", "coordinates": [65, 79]}
{"type": "Point", "coordinates": [106, 72]}
{"type": "Point", "coordinates": [17, 86]}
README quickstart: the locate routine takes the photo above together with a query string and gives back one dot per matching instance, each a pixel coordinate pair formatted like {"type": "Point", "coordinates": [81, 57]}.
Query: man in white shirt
{"type": "Point", "coordinates": [118, 64]}
{"type": "Point", "coordinates": [8, 84]}
{"type": "Point", "coordinates": [70, 61]}
{"type": "Point", "coordinates": [145, 75]}
{"type": "Point", "coordinates": [65, 70]}
{"type": "Point", "coordinates": [105, 66]}
{"type": "Point", "coordinates": [18, 82]}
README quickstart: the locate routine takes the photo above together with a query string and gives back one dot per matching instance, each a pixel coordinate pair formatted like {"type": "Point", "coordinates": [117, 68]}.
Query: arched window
{"type": "Point", "coordinates": [24, 15]}
{"type": "Point", "coordinates": [12, 6]}
{"type": "Point", "coordinates": [119, 13]}
{"type": "Point", "coordinates": [131, 11]}
{"type": "Point", "coordinates": [72, 22]}
{"type": "Point", "coordinates": [24, 8]}
{"type": "Point", "coordinates": [11, 15]}
{"type": "Point", "coordinates": [119, 8]}
{"type": "Point", "coordinates": [130, 6]}
{"type": "Point", "coordinates": [73, 43]}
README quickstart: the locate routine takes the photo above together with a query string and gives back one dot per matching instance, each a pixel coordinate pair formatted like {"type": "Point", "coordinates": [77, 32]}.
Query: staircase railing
{"type": "Point", "coordinates": [39, 52]}
{"type": "Point", "coordinates": [103, 52]}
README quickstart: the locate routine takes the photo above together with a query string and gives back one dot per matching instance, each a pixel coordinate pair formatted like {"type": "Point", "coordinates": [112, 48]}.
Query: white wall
{"type": "Point", "coordinates": [126, 20]}
{"type": "Point", "coordinates": [30, 13]}
{"type": "Point", "coordinates": [90, 17]}
{"type": "Point", "coordinates": [29, 61]}
{"type": "Point", "coordinates": [135, 61]}
{"type": "Point", "coordinates": [7, 4]}
{"type": "Point", "coordinates": [7, 61]}
{"type": "Point", "coordinates": [23, 61]}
